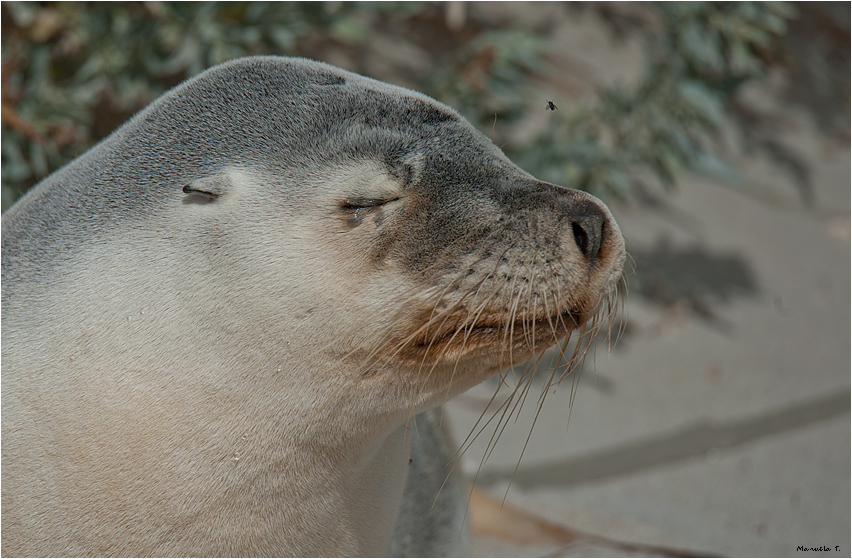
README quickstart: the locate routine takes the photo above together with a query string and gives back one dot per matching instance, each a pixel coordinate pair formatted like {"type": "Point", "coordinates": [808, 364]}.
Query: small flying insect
{"type": "Point", "coordinates": [550, 106]}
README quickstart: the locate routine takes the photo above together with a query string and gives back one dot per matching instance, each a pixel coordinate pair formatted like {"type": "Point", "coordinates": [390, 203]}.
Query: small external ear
{"type": "Point", "coordinates": [206, 189]}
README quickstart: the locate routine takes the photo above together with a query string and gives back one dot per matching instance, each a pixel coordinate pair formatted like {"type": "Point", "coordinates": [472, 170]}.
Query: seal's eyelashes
{"type": "Point", "coordinates": [189, 190]}
{"type": "Point", "coordinates": [355, 204]}
{"type": "Point", "coordinates": [355, 209]}
{"type": "Point", "coordinates": [207, 189]}
{"type": "Point", "coordinates": [197, 196]}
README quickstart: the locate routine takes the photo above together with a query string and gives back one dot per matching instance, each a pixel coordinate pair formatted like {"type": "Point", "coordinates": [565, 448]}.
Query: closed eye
{"type": "Point", "coordinates": [355, 210]}
{"type": "Point", "coordinates": [355, 204]}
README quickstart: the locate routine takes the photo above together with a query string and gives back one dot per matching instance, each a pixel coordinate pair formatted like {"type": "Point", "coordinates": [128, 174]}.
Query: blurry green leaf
{"type": "Point", "coordinates": [617, 182]}
{"type": "Point", "coordinates": [283, 38]}
{"type": "Point", "coordinates": [710, 165]}
{"type": "Point", "coordinates": [705, 101]}
{"type": "Point", "coordinates": [38, 159]}
{"type": "Point", "coordinates": [702, 46]}
{"type": "Point", "coordinates": [24, 13]}
{"type": "Point", "coordinates": [15, 166]}
{"type": "Point", "coordinates": [350, 31]}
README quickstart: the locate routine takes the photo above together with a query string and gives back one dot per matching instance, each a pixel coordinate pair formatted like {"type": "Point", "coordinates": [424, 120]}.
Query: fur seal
{"type": "Point", "coordinates": [219, 322]}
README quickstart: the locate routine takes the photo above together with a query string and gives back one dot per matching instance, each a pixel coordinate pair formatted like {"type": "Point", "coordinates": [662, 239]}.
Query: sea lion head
{"type": "Point", "coordinates": [397, 230]}
{"type": "Point", "coordinates": [438, 255]}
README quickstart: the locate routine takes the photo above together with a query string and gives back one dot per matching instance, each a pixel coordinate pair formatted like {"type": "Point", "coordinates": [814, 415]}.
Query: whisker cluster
{"type": "Point", "coordinates": [432, 327]}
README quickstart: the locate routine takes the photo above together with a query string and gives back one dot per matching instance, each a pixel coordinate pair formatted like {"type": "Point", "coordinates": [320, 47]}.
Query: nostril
{"type": "Point", "coordinates": [588, 231]}
{"type": "Point", "coordinates": [581, 237]}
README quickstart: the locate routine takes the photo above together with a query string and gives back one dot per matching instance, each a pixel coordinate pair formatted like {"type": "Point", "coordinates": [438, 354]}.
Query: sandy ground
{"type": "Point", "coordinates": [720, 423]}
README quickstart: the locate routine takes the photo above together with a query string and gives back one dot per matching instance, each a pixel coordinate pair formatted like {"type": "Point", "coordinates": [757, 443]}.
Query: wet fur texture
{"type": "Point", "coordinates": [220, 323]}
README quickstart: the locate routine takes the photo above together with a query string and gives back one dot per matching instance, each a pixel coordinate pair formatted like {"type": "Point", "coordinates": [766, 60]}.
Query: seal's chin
{"type": "Point", "coordinates": [458, 335]}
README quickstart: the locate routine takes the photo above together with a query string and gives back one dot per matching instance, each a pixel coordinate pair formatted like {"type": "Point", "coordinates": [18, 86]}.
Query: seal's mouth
{"type": "Point", "coordinates": [452, 335]}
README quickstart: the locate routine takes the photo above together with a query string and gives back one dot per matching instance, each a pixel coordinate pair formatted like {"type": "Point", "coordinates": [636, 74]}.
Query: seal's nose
{"type": "Point", "coordinates": [581, 218]}
{"type": "Point", "coordinates": [587, 222]}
